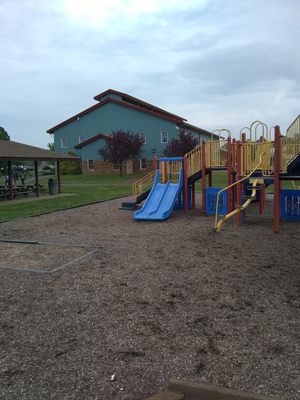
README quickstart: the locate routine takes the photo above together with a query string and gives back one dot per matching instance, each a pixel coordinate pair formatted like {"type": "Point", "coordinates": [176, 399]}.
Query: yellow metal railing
{"type": "Point", "coordinates": [170, 171]}
{"type": "Point", "coordinates": [216, 154]}
{"type": "Point", "coordinates": [254, 152]}
{"type": "Point", "coordinates": [194, 162]}
{"type": "Point", "coordinates": [294, 129]}
{"type": "Point", "coordinates": [143, 184]}
{"type": "Point", "coordinates": [290, 147]}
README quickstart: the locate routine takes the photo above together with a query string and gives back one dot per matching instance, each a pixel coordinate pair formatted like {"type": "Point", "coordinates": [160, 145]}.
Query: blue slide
{"type": "Point", "coordinates": [161, 201]}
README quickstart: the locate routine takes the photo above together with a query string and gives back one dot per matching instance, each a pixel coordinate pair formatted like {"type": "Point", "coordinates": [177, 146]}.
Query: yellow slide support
{"type": "Point", "coordinates": [240, 209]}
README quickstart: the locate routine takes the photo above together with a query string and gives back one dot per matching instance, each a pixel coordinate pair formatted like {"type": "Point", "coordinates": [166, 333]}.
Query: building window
{"type": "Point", "coordinates": [81, 139]}
{"type": "Point", "coordinates": [115, 166]}
{"type": "Point", "coordinates": [63, 143]}
{"type": "Point", "coordinates": [91, 165]}
{"type": "Point", "coordinates": [164, 137]}
{"type": "Point", "coordinates": [143, 136]}
{"type": "Point", "coordinates": [143, 164]}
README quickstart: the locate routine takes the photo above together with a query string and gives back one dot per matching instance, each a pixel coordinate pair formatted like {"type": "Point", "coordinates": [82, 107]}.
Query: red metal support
{"type": "Point", "coordinates": [277, 162]}
{"type": "Point", "coordinates": [239, 185]}
{"type": "Point", "coordinates": [155, 164]}
{"type": "Point", "coordinates": [229, 173]}
{"type": "Point", "coordinates": [185, 185]}
{"type": "Point", "coordinates": [203, 178]}
{"type": "Point", "coordinates": [233, 156]}
{"type": "Point", "coordinates": [193, 196]}
{"type": "Point", "coordinates": [262, 194]}
{"type": "Point", "coordinates": [210, 182]}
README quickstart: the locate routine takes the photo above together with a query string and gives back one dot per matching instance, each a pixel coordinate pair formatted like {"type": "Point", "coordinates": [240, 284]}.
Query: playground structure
{"type": "Point", "coordinates": [252, 163]}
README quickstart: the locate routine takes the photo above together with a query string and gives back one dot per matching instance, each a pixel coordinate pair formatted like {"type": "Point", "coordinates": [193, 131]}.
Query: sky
{"type": "Point", "coordinates": [217, 63]}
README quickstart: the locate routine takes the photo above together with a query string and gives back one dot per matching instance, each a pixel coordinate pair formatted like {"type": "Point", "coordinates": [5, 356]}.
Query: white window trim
{"type": "Point", "coordinates": [141, 167]}
{"type": "Point", "coordinates": [88, 165]}
{"type": "Point", "coordinates": [143, 135]}
{"type": "Point", "coordinates": [79, 139]}
{"type": "Point", "coordinates": [161, 137]}
{"type": "Point", "coordinates": [62, 139]}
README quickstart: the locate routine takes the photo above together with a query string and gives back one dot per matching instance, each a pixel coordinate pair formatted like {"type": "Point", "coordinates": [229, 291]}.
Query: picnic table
{"type": "Point", "coordinates": [16, 191]}
{"type": "Point", "coordinates": [24, 190]}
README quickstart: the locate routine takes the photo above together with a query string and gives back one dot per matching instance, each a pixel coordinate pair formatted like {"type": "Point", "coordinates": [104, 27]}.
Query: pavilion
{"type": "Point", "coordinates": [13, 151]}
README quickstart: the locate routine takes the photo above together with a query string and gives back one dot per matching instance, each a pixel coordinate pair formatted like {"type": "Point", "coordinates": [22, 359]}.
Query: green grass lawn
{"type": "Point", "coordinates": [77, 190]}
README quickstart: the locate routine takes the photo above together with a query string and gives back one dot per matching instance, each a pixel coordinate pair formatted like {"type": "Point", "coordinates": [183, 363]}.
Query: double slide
{"type": "Point", "coordinates": [161, 201]}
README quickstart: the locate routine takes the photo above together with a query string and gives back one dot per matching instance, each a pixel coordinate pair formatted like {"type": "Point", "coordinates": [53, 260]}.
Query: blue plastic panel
{"type": "Point", "coordinates": [211, 200]}
{"type": "Point", "coordinates": [290, 204]}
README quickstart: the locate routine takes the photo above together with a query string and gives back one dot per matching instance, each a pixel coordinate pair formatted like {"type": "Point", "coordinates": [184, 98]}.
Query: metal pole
{"type": "Point", "coordinates": [203, 178]}
{"type": "Point", "coordinates": [229, 173]}
{"type": "Point", "coordinates": [239, 188]}
{"type": "Point", "coordinates": [277, 161]}
{"type": "Point", "coordinates": [185, 186]}
{"type": "Point", "coordinates": [58, 176]}
{"type": "Point", "coordinates": [36, 174]}
{"type": "Point", "coordinates": [10, 180]}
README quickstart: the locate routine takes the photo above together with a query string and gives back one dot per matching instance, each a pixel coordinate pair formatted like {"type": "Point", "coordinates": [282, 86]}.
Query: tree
{"type": "Point", "coordinates": [3, 134]}
{"type": "Point", "coordinates": [180, 146]}
{"type": "Point", "coordinates": [70, 167]}
{"type": "Point", "coordinates": [120, 147]}
{"type": "Point", "coordinates": [51, 146]}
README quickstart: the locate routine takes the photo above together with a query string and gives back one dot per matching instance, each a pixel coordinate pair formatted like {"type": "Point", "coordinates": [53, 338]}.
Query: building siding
{"type": "Point", "coordinates": [108, 119]}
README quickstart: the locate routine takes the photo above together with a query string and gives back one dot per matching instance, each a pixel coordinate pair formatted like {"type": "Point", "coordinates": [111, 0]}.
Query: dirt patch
{"type": "Point", "coordinates": [159, 300]}
{"type": "Point", "coordinates": [40, 258]}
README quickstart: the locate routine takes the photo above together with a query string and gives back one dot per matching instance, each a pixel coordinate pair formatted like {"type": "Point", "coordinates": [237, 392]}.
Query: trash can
{"type": "Point", "coordinates": [52, 186]}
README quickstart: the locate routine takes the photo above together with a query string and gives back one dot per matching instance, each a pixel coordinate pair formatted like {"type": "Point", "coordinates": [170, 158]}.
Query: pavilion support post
{"type": "Point", "coordinates": [36, 175]}
{"type": "Point", "coordinates": [58, 176]}
{"type": "Point", "coordinates": [10, 185]}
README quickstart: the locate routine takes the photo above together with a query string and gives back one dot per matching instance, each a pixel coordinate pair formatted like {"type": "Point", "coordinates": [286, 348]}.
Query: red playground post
{"type": "Point", "coordinates": [239, 185]}
{"type": "Point", "coordinates": [185, 185]}
{"type": "Point", "coordinates": [203, 178]}
{"type": "Point", "coordinates": [277, 162]}
{"type": "Point", "coordinates": [229, 173]}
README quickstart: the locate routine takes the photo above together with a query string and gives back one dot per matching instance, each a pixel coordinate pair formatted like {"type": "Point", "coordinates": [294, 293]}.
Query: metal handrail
{"type": "Point", "coordinates": [219, 224]}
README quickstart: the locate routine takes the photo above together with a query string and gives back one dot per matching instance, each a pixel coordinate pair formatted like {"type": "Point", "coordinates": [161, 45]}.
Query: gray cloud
{"type": "Point", "coordinates": [223, 63]}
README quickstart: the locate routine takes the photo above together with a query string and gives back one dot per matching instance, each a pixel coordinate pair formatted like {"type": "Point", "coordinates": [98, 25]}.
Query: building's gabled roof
{"type": "Point", "coordinates": [151, 110]}
{"type": "Point", "coordinates": [126, 98]}
{"type": "Point", "coordinates": [91, 140]}
{"type": "Point", "coordinates": [200, 130]}
{"type": "Point", "coordinates": [10, 150]}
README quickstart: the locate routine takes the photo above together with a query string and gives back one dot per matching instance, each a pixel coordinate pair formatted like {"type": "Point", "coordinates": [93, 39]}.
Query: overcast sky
{"type": "Point", "coordinates": [218, 63]}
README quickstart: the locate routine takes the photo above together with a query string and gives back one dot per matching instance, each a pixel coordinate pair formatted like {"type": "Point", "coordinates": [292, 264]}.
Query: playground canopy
{"type": "Point", "coordinates": [14, 151]}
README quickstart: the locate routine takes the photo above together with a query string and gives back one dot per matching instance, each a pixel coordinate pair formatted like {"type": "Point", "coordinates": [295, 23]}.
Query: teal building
{"type": "Point", "coordinates": [84, 133]}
